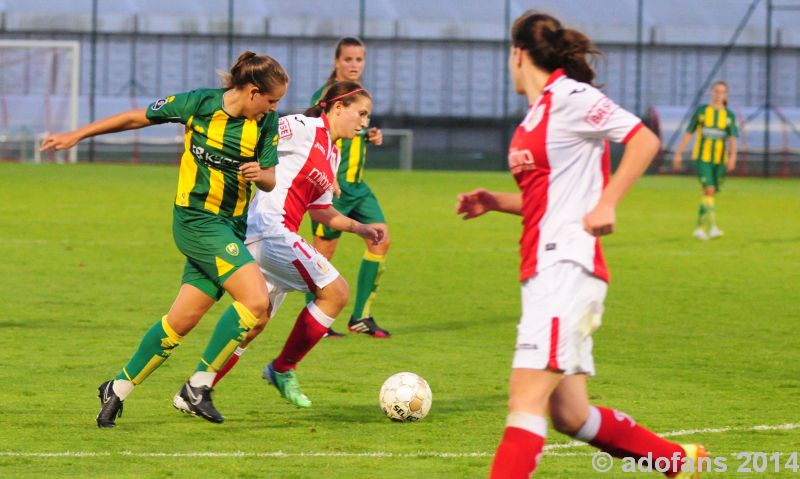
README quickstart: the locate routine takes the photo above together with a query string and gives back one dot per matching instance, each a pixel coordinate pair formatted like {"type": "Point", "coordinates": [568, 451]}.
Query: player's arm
{"type": "Point", "coordinates": [264, 178]}
{"type": "Point", "coordinates": [732, 145]}
{"type": "Point", "coordinates": [478, 202]}
{"type": "Point", "coordinates": [640, 150]}
{"type": "Point", "coordinates": [331, 218]}
{"type": "Point", "coordinates": [129, 120]}
{"type": "Point", "coordinates": [677, 159]}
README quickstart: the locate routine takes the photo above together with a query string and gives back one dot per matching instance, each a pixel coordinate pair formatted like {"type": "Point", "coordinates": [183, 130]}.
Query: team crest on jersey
{"type": "Point", "coordinates": [232, 249]}
{"type": "Point", "coordinates": [533, 118]}
{"type": "Point", "coordinates": [284, 129]}
{"type": "Point", "coordinates": [158, 104]}
{"type": "Point", "coordinates": [600, 113]}
{"type": "Point", "coordinates": [321, 265]}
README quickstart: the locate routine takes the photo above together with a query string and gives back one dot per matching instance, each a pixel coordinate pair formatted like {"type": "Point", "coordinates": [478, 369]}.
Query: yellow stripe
{"type": "Point", "coordinates": [247, 320]}
{"type": "Point", "coordinates": [223, 355]}
{"type": "Point", "coordinates": [174, 338]}
{"type": "Point", "coordinates": [373, 257]}
{"type": "Point", "coordinates": [216, 129]}
{"type": "Point", "coordinates": [719, 147]}
{"type": "Point", "coordinates": [368, 303]}
{"type": "Point", "coordinates": [241, 198]}
{"type": "Point", "coordinates": [188, 170]}
{"type": "Point", "coordinates": [353, 159]}
{"type": "Point", "coordinates": [222, 267]}
{"type": "Point", "coordinates": [706, 156]}
{"type": "Point", "coordinates": [216, 190]}
{"type": "Point", "coordinates": [249, 138]}
{"type": "Point", "coordinates": [148, 368]}
{"type": "Point", "coordinates": [709, 120]}
{"type": "Point", "coordinates": [696, 148]}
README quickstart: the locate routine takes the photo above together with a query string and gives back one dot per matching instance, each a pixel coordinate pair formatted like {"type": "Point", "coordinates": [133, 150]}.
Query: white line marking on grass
{"type": "Point", "coordinates": [550, 449]}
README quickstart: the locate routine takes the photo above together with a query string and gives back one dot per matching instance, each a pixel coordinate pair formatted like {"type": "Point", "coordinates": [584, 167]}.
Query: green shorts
{"type": "Point", "coordinates": [358, 203]}
{"type": "Point", "coordinates": [213, 246]}
{"type": "Point", "coordinates": [710, 174]}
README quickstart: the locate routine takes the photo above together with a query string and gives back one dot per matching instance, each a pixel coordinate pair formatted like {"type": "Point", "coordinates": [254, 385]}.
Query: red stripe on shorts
{"type": "Point", "coordinates": [304, 273]}
{"type": "Point", "coordinates": [552, 363]}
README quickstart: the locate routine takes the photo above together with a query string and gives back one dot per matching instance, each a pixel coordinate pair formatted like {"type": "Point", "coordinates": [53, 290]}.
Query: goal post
{"type": "Point", "coordinates": [39, 91]}
{"type": "Point", "coordinates": [405, 138]}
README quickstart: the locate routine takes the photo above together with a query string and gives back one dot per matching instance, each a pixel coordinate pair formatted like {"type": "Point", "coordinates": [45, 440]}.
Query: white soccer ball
{"type": "Point", "coordinates": [405, 397]}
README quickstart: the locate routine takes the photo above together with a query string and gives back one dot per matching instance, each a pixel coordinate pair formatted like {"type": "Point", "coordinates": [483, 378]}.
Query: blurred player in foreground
{"type": "Point", "coordinates": [714, 154]}
{"type": "Point", "coordinates": [559, 156]}
{"type": "Point", "coordinates": [231, 142]}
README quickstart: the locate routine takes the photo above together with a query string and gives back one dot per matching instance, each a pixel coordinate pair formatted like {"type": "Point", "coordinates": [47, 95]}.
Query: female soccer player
{"type": "Point", "coordinates": [308, 159]}
{"type": "Point", "coordinates": [355, 199]}
{"type": "Point", "coordinates": [559, 157]}
{"type": "Point", "coordinates": [714, 153]}
{"type": "Point", "coordinates": [231, 142]}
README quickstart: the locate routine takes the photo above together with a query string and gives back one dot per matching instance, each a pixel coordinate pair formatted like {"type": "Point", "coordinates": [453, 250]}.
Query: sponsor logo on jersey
{"type": "Point", "coordinates": [319, 179]}
{"type": "Point", "coordinates": [213, 160]}
{"type": "Point", "coordinates": [284, 129]}
{"type": "Point", "coordinates": [520, 160]}
{"type": "Point", "coordinates": [600, 113]}
{"type": "Point", "coordinates": [232, 249]}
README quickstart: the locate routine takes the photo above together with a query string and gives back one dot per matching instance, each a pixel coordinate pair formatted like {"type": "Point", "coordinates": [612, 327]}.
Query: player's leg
{"type": "Point", "coordinates": [526, 425]}
{"type": "Point", "coordinates": [370, 271]}
{"type": "Point", "coordinates": [718, 172]}
{"type": "Point", "coordinates": [705, 174]}
{"type": "Point", "coordinates": [325, 240]}
{"type": "Point", "coordinates": [311, 326]}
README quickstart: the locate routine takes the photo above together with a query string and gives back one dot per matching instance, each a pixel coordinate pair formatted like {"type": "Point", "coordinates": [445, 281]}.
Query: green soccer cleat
{"type": "Point", "coordinates": [287, 384]}
{"type": "Point", "coordinates": [695, 452]}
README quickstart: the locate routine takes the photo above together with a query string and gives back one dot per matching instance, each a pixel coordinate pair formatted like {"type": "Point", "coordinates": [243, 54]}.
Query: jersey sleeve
{"type": "Point", "coordinates": [324, 201]}
{"type": "Point", "coordinates": [597, 116]}
{"type": "Point", "coordinates": [177, 108]}
{"type": "Point", "coordinates": [733, 128]}
{"type": "Point", "coordinates": [694, 121]}
{"type": "Point", "coordinates": [268, 142]}
{"type": "Point", "coordinates": [293, 136]}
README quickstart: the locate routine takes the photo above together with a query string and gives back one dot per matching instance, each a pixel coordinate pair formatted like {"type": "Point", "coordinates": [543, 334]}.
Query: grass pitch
{"type": "Point", "coordinates": [697, 335]}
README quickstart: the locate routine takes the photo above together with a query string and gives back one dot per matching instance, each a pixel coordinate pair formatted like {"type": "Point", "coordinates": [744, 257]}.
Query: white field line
{"type": "Point", "coordinates": [551, 449]}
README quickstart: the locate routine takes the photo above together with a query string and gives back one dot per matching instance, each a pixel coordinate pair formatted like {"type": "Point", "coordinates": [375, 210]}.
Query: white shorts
{"type": "Point", "coordinates": [289, 264]}
{"type": "Point", "coordinates": [561, 307]}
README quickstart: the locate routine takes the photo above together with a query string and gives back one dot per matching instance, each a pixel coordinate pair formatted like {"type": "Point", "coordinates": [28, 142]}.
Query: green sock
{"type": "Point", "coordinates": [710, 216]}
{"type": "Point", "coordinates": [701, 214]}
{"type": "Point", "coordinates": [231, 329]}
{"type": "Point", "coordinates": [156, 346]}
{"type": "Point", "coordinates": [369, 276]}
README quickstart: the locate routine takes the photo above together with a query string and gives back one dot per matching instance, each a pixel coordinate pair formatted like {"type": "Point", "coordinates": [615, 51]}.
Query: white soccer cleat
{"type": "Point", "coordinates": [715, 232]}
{"type": "Point", "coordinates": [700, 233]}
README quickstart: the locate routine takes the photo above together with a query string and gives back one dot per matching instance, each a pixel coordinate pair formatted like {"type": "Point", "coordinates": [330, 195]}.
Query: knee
{"type": "Point", "coordinates": [380, 249]}
{"type": "Point", "coordinates": [258, 307]}
{"type": "Point", "coordinates": [566, 421]}
{"type": "Point", "coordinates": [335, 294]}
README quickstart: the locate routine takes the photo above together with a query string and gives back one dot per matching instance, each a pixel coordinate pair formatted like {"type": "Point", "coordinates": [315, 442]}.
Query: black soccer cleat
{"type": "Point", "coordinates": [110, 405]}
{"type": "Point", "coordinates": [333, 334]}
{"type": "Point", "coordinates": [367, 326]}
{"type": "Point", "coordinates": [198, 400]}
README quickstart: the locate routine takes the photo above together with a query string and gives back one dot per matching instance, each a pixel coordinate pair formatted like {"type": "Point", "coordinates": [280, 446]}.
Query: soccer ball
{"type": "Point", "coordinates": [405, 397]}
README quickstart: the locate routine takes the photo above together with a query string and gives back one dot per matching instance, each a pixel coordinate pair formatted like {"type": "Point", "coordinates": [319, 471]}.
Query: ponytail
{"type": "Point", "coordinates": [551, 46]}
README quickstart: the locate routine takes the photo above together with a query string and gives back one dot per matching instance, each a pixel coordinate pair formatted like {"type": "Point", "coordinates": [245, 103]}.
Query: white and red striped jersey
{"type": "Point", "coordinates": [307, 163]}
{"type": "Point", "coordinates": [560, 159]}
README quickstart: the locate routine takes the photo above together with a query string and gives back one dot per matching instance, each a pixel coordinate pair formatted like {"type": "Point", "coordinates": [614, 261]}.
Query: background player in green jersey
{"type": "Point", "coordinates": [355, 199]}
{"type": "Point", "coordinates": [230, 142]}
{"type": "Point", "coordinates": [714, 153]}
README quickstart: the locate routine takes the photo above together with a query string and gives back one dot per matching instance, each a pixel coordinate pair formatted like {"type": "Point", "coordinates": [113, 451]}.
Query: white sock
{"type": "Point", "coordinates": [122, 388]}
{"type": "Point", "coordinates": [527, 421]}
{"type": "Point", "coordinates": [589, 429]}
{"type": "Point", "coordinates": [202, 378]}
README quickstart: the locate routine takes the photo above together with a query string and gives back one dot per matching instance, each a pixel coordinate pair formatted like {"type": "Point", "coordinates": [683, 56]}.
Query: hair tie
{"type": "Point", "coordinates": [323, 104]}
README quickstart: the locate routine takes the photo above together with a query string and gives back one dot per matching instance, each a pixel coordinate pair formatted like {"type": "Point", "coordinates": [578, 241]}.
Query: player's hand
{"type": "Point", "coordinates": [600, 221]}
{"type": "Point", "coordinates": [60, 142]}
{"type": "Point", "coordinates": [731, 165]}
{"type": "Point", "coordinates": [251, 171]}
{"type": "Point", "coordinates": [375, 232]}
{"type": "Point", "coordinates": [677, 163]}
{"type": "Point", "coordinates": [337, 190]}
{"type": "Point", "coordinates": [375, 136]}
{"type": "Point", "coordinates": [475, 203]}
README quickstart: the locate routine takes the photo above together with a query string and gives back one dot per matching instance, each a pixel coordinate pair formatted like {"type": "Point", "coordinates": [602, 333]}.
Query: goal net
{"type": "Point", "coordinates": [38, 95]}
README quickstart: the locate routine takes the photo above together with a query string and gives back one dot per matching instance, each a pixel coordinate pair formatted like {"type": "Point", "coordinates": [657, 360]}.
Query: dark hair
{"type": "Point", "coordinates": [343, 91]}
{"type": "Point", "coordinates": [343, 42]}
{"type": "Point", "coordinates": [551, 46]}
{"type": "Point", "coordinates": [262, 71]}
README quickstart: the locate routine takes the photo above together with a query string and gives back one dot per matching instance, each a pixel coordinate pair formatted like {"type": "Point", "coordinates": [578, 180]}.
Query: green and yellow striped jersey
{"type": "Point", "coordinates": [713, 127]}
{"type": "Point", "coordinates": [215, 144]}
{"type": "Point", "coordinates": [353, 153]}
